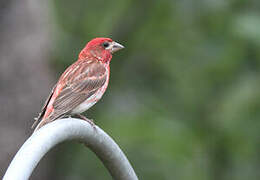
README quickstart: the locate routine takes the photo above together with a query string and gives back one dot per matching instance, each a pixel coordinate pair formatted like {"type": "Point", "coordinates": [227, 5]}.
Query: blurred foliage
{"type": "Point", "coordinates": [183, 100]}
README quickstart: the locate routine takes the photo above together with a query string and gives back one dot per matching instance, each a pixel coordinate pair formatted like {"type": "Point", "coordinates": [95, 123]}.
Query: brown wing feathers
{"type": "Point", "coordinates": [83, 79]}
{"type": "Point", "coordinates": [41, 114]}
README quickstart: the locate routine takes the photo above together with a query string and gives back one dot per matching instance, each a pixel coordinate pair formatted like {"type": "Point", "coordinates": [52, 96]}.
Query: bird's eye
{"type": "Point", "coordinates": [105, 44]}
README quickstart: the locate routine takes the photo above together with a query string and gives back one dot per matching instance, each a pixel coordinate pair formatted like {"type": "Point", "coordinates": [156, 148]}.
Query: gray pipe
{"type": "Point", "coordinates": [62, 130]}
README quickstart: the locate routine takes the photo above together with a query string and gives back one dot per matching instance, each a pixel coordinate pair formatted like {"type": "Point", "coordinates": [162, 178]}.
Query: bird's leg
{"type": "Point", "coordinates": [90, 121]}
{"type": "Point", "coordinates": [65, 116]}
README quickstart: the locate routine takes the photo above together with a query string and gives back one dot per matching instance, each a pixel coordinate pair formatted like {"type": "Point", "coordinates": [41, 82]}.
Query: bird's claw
{"type": "Point", "coordinates": [90, 121]}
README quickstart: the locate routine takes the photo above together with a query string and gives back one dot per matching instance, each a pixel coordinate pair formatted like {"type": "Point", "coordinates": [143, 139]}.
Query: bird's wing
{"type": "Point", "coordinates": [44, 107]}
{"type": "Point", "coordinates": [83, 79]}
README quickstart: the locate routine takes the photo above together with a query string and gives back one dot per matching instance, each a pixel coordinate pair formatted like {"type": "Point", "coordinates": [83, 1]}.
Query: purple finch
{"type": "Point", "coordinates": [82, 84]}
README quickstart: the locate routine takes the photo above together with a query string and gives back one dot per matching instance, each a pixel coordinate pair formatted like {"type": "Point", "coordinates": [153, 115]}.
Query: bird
{"type": "Point", "coordinates": [81, 85]}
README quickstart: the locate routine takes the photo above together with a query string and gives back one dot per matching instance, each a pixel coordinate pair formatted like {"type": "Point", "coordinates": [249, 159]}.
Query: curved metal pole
{"type": "Point", "coordinates": [62, 130]}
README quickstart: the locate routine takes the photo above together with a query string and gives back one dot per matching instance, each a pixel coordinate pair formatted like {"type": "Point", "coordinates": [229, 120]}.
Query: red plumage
{"type": "Point", "coordinates": [82, 84]}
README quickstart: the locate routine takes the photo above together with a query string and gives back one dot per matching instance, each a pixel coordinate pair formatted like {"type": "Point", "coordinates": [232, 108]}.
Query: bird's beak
{"type": "Point", "coordinates": [116, 47]}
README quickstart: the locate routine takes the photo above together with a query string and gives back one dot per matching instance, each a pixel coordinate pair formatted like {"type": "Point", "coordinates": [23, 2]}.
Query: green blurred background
{"type": "Point", "coordinates": [183, 100]}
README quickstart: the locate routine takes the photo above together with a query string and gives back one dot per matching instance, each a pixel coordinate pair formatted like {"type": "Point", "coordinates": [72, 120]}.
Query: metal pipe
{"type": "Point", "coordinates": [62, 130]}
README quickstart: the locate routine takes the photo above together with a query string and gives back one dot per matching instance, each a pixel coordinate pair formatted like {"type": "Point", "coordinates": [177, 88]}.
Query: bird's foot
{"type": "Point", "coordinates": [65, 116]}
{"type": "Point", "coordinates": [90, 121]}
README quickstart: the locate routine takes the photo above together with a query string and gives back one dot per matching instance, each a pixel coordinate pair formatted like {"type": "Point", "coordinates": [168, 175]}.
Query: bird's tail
{"type": "Point", "coordinates": [41, 120]}
{"type": "Point", "coordinates": [35, 122]}
{"type": "Point", "coordinates": [41, 123]}
{"type": "Point", "coordinates": [44, 120]}
{"type": "Point", "coordinates": [38, 126]}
